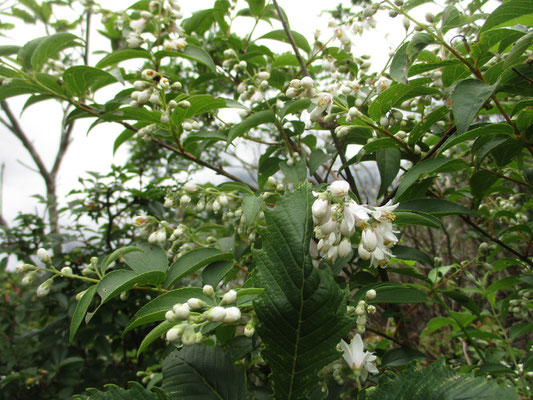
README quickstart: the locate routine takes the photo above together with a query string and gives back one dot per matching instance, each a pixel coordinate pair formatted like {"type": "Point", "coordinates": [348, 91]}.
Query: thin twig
{"type": "Point", "coordinates": [291, 39]}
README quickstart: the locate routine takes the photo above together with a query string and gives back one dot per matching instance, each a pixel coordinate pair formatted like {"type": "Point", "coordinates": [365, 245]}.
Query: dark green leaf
{"type": "Point", "coordinates": [316, 159]}
{"type": "Point", "coordinates": [214, 273]}
{"type": "Point", "coordinates": [410, 253]}
{"type": "Point", "coordinates": [150, 258]}
{"type": "Point", "coordinates": [203, 372]}
{"type": "Point", "coordinates": [519, 48]}
{"type": "Point", "coordinates": [155, 310]}
{"type": "Point", "coordinates": [122, 280]}
{"type": "Point", "coordinates": [486, 130]}
{"type": "Point", "coordinates": [463, 300]}
{"type": "Point", "coordinates": [416, 218]}
{"type": "Point", "coordinates": [437, 207]}
{"type": "Point", "coordinates": [467, 98]}
{"type": "Point", "coordinates": [251, 205]}
{"type": "Point", "coordinates": [135, 392]}
{"type": "Point", "coordinates": [80, 311]}
{"type": "Point", "coordinates": [438, 381]}
{"type": "Point", "coordinates": [154, 334]}
{"type": "Point", "coordinates": [401, 356]}
{"type": "Point", "coordinates": [295, 173]}
{"type": "Point", "coordinates": [289, 324]}
{"type": "Point", "coordinates": [258, 118]}
{"type": "Point", "coordinates": [388, 161]}
{"type": "Point", "coordinates": [520, 329]}
{"type": "Point", "coordinates": [480, 182]}
{"type": "Point", "coordinates": [194, 260]}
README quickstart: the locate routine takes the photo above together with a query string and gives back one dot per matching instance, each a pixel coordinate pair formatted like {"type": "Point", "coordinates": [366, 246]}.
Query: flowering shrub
{"type": "Point", "coordinates": [382, 228]}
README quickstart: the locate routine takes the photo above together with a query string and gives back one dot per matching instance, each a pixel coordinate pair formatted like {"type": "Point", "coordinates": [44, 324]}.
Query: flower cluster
{"type": "Point", "coordinates": [190, 317]}
{"type": "Point", "coordinates": [336, 216]}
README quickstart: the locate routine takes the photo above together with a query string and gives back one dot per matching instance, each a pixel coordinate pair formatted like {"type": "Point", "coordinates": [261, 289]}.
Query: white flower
{"type": "Point", "coordinates": [345, 247]}
{"type": "Point", "coordinates": [339, 189]}
{"type": "Point", "coordinates": [138, 24]}
{"type": "Point", "coordinates": [369, 239]}
{"type": "Point", "coordinates": [357, 358]}
{"type": "Point", "coordinates": [216, 314]}
{"type": "Point", "coordinates": [43, 289]}
{"type": "Point", "coordinates": [363, 253]}
{"type": "Point", "coordinates": [347, 227]}
{"type": "Point", "coordinates": [324, 102]}
{"type": "Point", "coordinates": [327, 228]}
{"type": "Point", "coordinates": [43, 256]}
{"type": "Point", "coordinates": [229, 297]}
{"type": "Point", "coordinates": [173, 334]}
{"type": "Point", "coordinates": [233, 314]}
{"type": "Point", "coordinates": [358, 212]}
{"type": "Point", "coordinates": [321, 211]}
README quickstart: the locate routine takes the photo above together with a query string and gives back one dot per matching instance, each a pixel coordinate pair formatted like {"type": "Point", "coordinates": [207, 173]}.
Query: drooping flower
{"type": "Point", "coordinates": [324, 102]}
{"type": "Point", "coordinates": [357, 358]}
{"type": "Point", "coordinates": [339, 189]}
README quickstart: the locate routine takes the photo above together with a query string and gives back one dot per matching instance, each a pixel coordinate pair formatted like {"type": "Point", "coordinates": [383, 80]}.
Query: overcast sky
{"type": "Point", "coordinates": [94, 151]}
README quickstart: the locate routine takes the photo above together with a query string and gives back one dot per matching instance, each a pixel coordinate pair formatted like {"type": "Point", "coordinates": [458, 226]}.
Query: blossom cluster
{"type": "Point", "coordinates": [191, 316]}
{"type": "Point", "coordinates": [336, 216]}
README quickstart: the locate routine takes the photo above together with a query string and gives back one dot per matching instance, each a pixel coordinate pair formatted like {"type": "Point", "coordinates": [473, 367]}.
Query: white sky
{"type": "Point", "coordinates": [94, 151]}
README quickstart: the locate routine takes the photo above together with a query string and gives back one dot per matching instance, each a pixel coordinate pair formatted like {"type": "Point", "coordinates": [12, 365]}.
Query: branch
{"type": "Point", "coordinates": [291, 39]}
{"type": "Point", "coordinates": [66, 131]}
{"type": "Point", "coordinates": [3, 222]}
{"type": "Point", "coordinates": [16, 129]}
{"type": "Point", "coordinates": [496, 240]}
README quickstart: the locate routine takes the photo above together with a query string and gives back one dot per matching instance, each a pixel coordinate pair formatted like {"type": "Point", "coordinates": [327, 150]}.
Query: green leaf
{"type": "Point", "coordinates": [426, 123]}
{"type": "Point", "coordinates": [192, 261]}
{"type": "Point", "coordinates": [400, 64]}
{"type": "Point", "coordinates": [397, 294]}
{"type": "Point", "coordinates": [298, 339]}
{"type": "Point", "coordinates": [215, 272]}
{"type": "Point", "coordinates": [418, 43]}
{"type": "Point", "coordinates": [122, 55]}
{"type": "Point", "coordinates": [136, 392]}
{"type": "Point", "coordinates": [256, 6]}
{"type": "Point", "coordinates": [80, 78]}
{"type": "Point", "coordinates": [155, 309]}
{"type": "Point", "coordinates": [480, 182]}
{"type": "Point", "coordinates": [191, 52]}
{"type": "Point", "coordinates": [463, 300]}
{"type": "Point", "coordinates": [116, 255]}
{"type": "Point", "coordinates": [509, 13]}
{"type": "Point", "coordinates": [8, 50]}
{"type": "Point", "coordinates": [295, 106]}
{"type": "Point", "coordinates": [467, 98]}
{"type": "Point", "coordinates": [251, 205]}
{"type": "Point", "coordinates": [428, 167]}
{"type": "Point", "coordinates": [486, 130]}
{"type": "Point", "coordinates": [316, 159]}
{"type": "Point", "coordinates": [80, 311]}
{"type": "Point", "coordinates": [438, 381]}
{"type": "Point", "coordinates": [520, 329]}
{"type": "Point", "coordinates": [410, 253]}
{"type": "Point", "coordinates": [452, 18]}
{"type": "Point", "coordinates": [388, 161]}
{"type": "Point", "coordinates": [416, 218]}
{"type": "Point", "coordinates": [121, 280]}
{"type": "Point", "coordinates": [234, 186]}
{"type": "Point", "coordinates": [17, 87]}
{"type": "Point", "coordinates": [258, 118]}
{"type": "Point", "coordinates": [200, 103]}
{"type": "Point", "coordinates": [518, 49]}
{"type": "Point", "coordinates": [199, 22]}
{"type": "Point", "coordinates": [150, 258]}
{"type": "Point", "coordinates": [280, 35]}
{"type": "Point", "coordinates": [154, 334]}
{"type": "Point", "coordinates": [203, 372]}
{"type": "Point", "coordinates": [48, 47]}
{"type": "Point", "coordinates": [295, 173]}
{"type": "Point", "coordinates": [401, 356]}
{"type": "Point", "coordinates": [398, 93]}
{"type": "Point", "coordinates": [437, 207]}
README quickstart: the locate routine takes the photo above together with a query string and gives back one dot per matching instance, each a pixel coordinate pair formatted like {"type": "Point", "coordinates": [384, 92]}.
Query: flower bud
{"type": "Point", "coordinates": [272, 181]}
{"type": "Point", "coordinates": [230, 297]}
{"type": "Point", "coordinates": [66, 270]}
{"type": "Point", "coordinates": [184, 200]}
{"type": "Point", "coordinates": [181, 311]}
{"type": "Point", "coordinates": [363, 253]}
{"type": "Point", "coordinates": [263, 75]}
{"type": "Point", "coordinates": [190, 187]}
{"type": "Point", "coordinates": [291, 93]}
{"type": "Point", "coordinates": [43, 290]}
{"type": "Point", "coordinates": [321, 210]}
{"type": "Point", "coordinates": [307, 82]}
{"type": "Point", "coordinates": [216, 314]}
{"type": "Point", "coordinates": [195, 303]}
{"type": "Point", "coordinates": [369, 239]}
{"type": "Point", "coordinates": [208, 290]}
{"type": "Point", "coordinates": [189, 336]}
{"type": "Point", "coordinates": [233, 314]}
{"type": "Point", "coordinates": [345, 248]}
{"type": "Point", "coordinates": [184, 104]}
{"type": "Point", "coordinates": [249, 330]}
{"type": "Point", "coordinates": [223, 200]}
{"type": "Point", "coordinates": [170, 316]}
{"type": "Point", "coordinates": [371, 309]}
{"type": "Point", "coordinates": [339, 189]}
{"type": "Point", "coordinates": [173, 334]}
{"type": "Point", "coordinates": [370, 294]}
{"type": "Point", "coordinates": [43, 256]}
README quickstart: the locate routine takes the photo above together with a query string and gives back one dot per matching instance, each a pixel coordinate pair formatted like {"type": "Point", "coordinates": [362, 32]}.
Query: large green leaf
{"type": "Point", "coordinates": [155, 310]}
{"type": "Point", "coordinates": [194, 260]}
{"type": "Point", "coordinates": [258, 118]}
{"type": "Point", "coordinates": [302, 312]}
{"type": "Point", "coordinates": [150, 258]}
{"type": "Point", "coordinates": [426, 167]}
{"type": "Point", "coordinates": [280, 35]}
{"type": "Point", "coordinates": [192, 53]}
{"type": "Point", "coordinates": [80, 78]}
{"type": "Point", "coordinates": [122, 280]}
{"type": "Point", "coordinates": [81, 310]}
{"type": "Point", "coordinates": [437, 207]}
{"type": "Point", "coordinates": [509, 13]}
{"type": "Point", "coordinates": [136, 392]}
{"type": "Point", "coordinates": [203, 373]}
{"type": "Point", "coordinates": [388, 161]}
{"type": "Point", "coordinates": [438, 381]}
{"type": "Point", "coordinates": [49, 46]}
{"type": "Point", "coordinates": [200, 103]}
{"type": "Point", "coordinates": [467, 98]}
{"type": "Point", "coordinates": [122, 55]}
